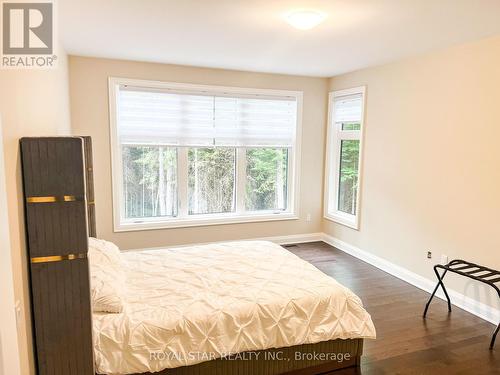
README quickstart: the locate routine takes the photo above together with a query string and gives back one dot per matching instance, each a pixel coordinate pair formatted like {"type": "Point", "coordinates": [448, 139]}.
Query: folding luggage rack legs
{"type": "Point", "coordinates": [473, 271]}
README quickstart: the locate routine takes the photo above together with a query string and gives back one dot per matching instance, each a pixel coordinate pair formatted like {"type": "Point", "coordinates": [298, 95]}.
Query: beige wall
{"type": "Point", "coordinates": [9, 348]}
{"type": "Point", "coordinates": [431, 161]}
{"type": "Point", "coordinates": [89, 115]}
{"type": "Point", "coordinates": [32, 103]}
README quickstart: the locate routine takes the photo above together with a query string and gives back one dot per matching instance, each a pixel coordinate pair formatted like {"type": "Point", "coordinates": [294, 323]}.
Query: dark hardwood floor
{"type": "Point", "coordinates": [455, 343]}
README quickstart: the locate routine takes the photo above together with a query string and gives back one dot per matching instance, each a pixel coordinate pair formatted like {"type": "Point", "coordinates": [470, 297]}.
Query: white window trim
{"type": "Point", "coordinates": [294, 160]}
{"type": "Point", "coordinates": [332, 167]}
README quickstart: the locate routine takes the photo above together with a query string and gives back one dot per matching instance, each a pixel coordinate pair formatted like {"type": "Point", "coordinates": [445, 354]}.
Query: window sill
{"type": "Point", "coordinates": [343, 219]}
{"type": "Point", "coordinates": [206, 220]}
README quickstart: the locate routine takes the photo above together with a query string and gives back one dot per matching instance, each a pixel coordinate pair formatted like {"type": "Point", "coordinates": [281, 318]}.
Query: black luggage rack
{"type": "Point", "coordinates": [473, 271]}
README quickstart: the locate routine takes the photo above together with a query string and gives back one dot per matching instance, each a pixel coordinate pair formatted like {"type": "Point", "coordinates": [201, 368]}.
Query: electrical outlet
{"type": "Point", "coordinates": [444, 259]}
{"type": "Point", "coordinates": [308, 217]}
{"type": "Point", "coordinates": [429, 255]}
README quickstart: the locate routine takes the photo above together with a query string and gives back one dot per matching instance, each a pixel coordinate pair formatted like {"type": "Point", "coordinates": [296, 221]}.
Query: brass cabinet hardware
{"type": "Point", "coordinates": [58, 258]}
{"type": "Point", "coordinates": [52, 199]}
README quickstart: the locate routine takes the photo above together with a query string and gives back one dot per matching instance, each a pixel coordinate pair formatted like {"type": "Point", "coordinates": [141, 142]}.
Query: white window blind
{"type": "Point", "coordinates": [150, 116]}
{"type": "Point", "coordinates": [348, 108]}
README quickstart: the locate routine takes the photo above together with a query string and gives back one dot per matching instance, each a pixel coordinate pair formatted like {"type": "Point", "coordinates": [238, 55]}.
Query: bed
{"type": "Point", "coordinates": [237, 307]}
{"type": "Point", "coordinates": [250, 306]}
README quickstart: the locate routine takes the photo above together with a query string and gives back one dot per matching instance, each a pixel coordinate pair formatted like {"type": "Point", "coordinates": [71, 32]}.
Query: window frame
{"type": "Point", "coordinates": [335, 136]}
{"type": "Point", "coordinates": [183, 219]}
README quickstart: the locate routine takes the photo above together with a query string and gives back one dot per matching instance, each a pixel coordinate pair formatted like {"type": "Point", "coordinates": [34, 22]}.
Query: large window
{"type": "Point", "coordinates": [195, 155]}
{"type": "Point", "coordinates": [345, 127]}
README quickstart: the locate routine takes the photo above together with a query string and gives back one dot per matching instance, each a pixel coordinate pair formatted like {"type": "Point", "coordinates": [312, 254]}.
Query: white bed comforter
{"type": "Point", "coordinates": [221, 299]}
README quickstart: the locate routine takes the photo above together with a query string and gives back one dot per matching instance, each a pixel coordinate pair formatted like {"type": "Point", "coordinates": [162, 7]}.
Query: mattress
{"type": "Point", "coordinates": [193, 304]}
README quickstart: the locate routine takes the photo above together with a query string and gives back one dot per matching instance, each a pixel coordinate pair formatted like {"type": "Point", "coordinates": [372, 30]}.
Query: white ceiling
{"type": "Point", "coordinates": [252, 35]}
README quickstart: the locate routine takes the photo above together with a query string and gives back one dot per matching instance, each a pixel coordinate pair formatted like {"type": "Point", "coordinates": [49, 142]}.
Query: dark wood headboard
{"type": "Point", "coordinates": [59, 215]}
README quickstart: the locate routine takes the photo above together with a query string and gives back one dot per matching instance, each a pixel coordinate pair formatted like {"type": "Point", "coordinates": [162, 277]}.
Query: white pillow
{"type": "Point", "coordinates": [107, 277]}
{"type": "Point", "coordinates": [104, 251]}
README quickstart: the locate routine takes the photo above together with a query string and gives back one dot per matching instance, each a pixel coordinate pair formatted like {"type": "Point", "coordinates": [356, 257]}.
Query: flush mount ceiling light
{"type": "Point", "coordinates": [305, 19]}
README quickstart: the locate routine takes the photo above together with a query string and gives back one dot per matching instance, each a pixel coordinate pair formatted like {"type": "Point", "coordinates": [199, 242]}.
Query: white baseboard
{"type": "Point", "coordinates": [294, 238]}
{"type": "Point", "coordinates": [479, 309]}
{"type": "Point", "coordinates": [280, 240]}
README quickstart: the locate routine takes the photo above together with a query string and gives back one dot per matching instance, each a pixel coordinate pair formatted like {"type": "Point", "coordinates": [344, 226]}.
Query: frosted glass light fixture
{"type": "Point", "coordinates": [305, 19]}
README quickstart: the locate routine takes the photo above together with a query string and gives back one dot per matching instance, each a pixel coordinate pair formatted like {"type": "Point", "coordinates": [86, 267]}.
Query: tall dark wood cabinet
{"type": "Point", "coordinates": [57, 178]}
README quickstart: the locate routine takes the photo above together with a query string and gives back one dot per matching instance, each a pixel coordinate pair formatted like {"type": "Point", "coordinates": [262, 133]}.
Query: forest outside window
{"type": "Point", "coordinates": [344, 150]}
{"type": "Point", "coordinates": [211, 178]}
{"type": "Point", "coordinates": [187, 155]}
